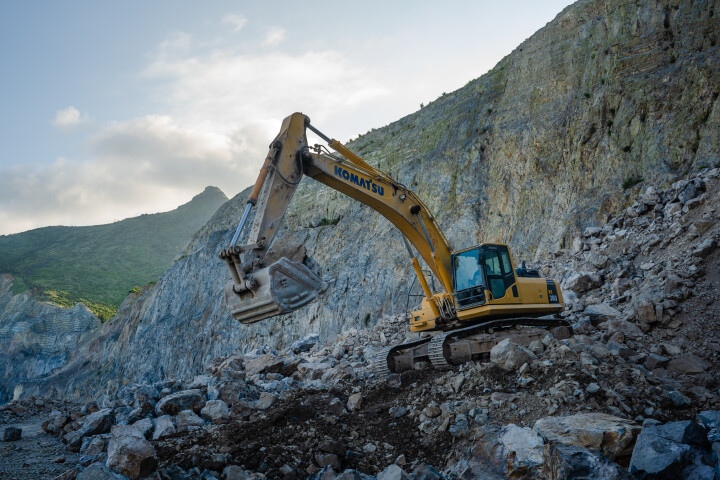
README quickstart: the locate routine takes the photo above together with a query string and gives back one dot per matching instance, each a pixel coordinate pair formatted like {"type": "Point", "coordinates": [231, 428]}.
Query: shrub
{"type": "Point", "coordinates": [632, 180]}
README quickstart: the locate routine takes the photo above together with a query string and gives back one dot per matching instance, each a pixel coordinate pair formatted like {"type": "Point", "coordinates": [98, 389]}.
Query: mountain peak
{"type": "Point", "coordinates": [211, 191]}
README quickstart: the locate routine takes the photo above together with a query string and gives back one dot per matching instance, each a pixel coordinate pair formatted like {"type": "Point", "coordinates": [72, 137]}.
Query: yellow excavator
{"type": "Point", "coordinates": [483, 300]}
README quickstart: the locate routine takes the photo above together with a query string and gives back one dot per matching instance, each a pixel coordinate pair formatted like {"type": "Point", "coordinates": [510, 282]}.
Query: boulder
{"type": "Point", "coordinates": [333, 446]}
{"type": "Point", "coordinates": [601, 311]}
{"type": "Point", "coordinates": [146, 397]}
{"type": "Point", "coordinates": [313, 371]}
{"type": "Point", "coordinates": [705, 248]}
{"type": "Point", "coordinates": [94, 424]}
{"type": "Point", "coordinates": [509, 451]}
{"type": "Point", "coordinates": [187, 399]}
{"type": "Point", "coordinates": [145, 426]}
{"type": "Point", "coordinates": [426, 472]}
{"type": "Point", "coordinates": [510, 356]}
{"type": "Point", "coordinates": [623, 326]}
{"type": "Point", "coordinates": [686, 431]}
{"type": "Point", "coordinates": [688, 364]}
{"type": "Point", "coordinates": [231, 392]}
{"type": "Point", "coordinates": [265, 401]}
{"type": "Point", "coordinates": [460, 427]}
{"type": "Point", "coordinates": [658, 457]}
{"type": "Point", "coordinates": [130, 454]}
{"type": "Point", "coordinates": [327, 473]}
{"type": "Point", "coordinates": [393, 472]}
{"type": "Point", "coordinates": [598, 261]}
{"type": "Point", "coordinates": [216, 411]}
{"type": "Point", "coordinates": [164, 427]}
{"type": "Point", "coordinates": [305, 344]}
{"type": "Point", "coordinates": [12, 434]}
{"type": "Point", "coordinates": [199, 382]}
{"type": "Point", "coordinates": [583, 282]}
{"type": "Point", "coordinates": [523, 447]}
{"type": "Point", "coordinates": [432, 411]}
{"type": "Point", "coordinates": [187, 420]}
{"type": "Point", "coordinates": [354, 402]}
{"type": "Point", "coordinates": [672, 208]}
{"type": "Point", "coordinates": [336, 407]}
{"type": "Point", "coordinates": [612, 436]}
{"type": "Point", "coordinates": [99, 471]}
{"type": "Point", "coordinates": [328, 459]}
{"type": "Point", "coordinates": [234, 472]}
{"type": "Point", "coordinates": [645, 310]}
{"type": "Point", "coordinates": [265, 363]}
{"type": "Point", "coordinates": [228, 368]}
{"type": "Point", "coordinates": [94, 445]}
{"type": "Point", "coordinates": [56, 423]}
{"type": "Point", "coordinates": [709, 418]}
{"type": "Point", "coordinates": [241, 410]}
{"type": "Point", "coordinates": [568, 462]}
{"type": "Point", "coordinates": [122, 414]}
{"type": "Point", "coordinates": [678, 399]}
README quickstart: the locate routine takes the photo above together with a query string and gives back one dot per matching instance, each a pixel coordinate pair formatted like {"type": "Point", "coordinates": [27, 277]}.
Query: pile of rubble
{"type": "Point", "coordinates": [632, 394]}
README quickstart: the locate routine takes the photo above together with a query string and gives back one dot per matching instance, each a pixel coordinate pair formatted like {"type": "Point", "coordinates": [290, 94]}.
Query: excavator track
{"type": "Point", "coordinates": [435, 352]}
{"type": "Point", "coordinates": [381, 361]}
{"type": "Point", "coordinates": [437, 349]}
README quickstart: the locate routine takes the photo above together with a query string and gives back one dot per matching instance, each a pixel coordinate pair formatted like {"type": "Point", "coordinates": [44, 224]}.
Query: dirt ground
{"type": "Point", "coordinates": [299, 427]}
{"type": "Point", "coordinates": [32, 456]}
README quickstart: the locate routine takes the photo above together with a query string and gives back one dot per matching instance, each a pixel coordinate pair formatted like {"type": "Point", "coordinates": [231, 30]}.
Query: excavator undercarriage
{"type": "Point", "coordinates": [446, 349]}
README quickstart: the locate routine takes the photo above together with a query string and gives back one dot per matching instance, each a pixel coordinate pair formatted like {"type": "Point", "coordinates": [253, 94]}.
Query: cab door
{"type": "Point", "coordinates": [499, 273]}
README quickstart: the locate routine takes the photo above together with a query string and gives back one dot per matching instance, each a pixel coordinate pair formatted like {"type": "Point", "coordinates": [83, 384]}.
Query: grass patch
{"type": "Point", "coordinates": [63, 299]}
{"type": "Point", "coordinates": [324, 222]}
{"type": "Point", "coordinates": [98, 265]}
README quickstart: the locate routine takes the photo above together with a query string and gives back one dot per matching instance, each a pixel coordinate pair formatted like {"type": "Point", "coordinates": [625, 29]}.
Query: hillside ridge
{"type": "Point", "coordinates": [97, 265]}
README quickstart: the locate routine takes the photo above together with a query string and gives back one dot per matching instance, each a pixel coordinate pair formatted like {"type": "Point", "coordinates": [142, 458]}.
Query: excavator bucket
{"type": "Point", "coordinates": [282, 287]}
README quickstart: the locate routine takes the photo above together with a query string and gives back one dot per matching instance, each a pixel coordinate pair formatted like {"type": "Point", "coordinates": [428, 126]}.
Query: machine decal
{"type": "Point", "coordinates": [367, 184]}
{"type": "Point", "coordinates": [552, 292]}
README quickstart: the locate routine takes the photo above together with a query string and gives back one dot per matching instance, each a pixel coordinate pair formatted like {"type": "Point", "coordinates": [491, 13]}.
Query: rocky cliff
{"type": "Point", "coordinates": [551, 140]}
{"type": "Point", "coordinates": [36, 338]}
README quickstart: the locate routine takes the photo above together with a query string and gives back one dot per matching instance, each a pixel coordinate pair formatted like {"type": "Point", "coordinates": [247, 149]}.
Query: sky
{"type": "Point", "coordinates": [114, 109]}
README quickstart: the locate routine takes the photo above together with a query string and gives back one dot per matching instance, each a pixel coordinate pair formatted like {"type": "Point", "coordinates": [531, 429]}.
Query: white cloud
{"type": "Point", "coordinates": [274, 36]}
{"type": "Point", "coordinates": [222, 110]}
{"type": "Point", "coordinates": [67, 117]}
{"type": "Point", "coordinates": [148, 164]}
{"type": "Point", "coordinates": [221, 91]}
{"type": "Point", "coordinates": [235, 20]}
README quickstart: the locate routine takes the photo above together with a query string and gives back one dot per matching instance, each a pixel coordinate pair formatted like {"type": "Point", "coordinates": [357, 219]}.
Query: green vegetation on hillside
{"type": "Point", "coordinates": [99, 265]}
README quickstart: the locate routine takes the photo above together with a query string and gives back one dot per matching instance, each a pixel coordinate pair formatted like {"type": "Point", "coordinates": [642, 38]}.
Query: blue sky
{"type": "Point", "coordinates": [113, 109]}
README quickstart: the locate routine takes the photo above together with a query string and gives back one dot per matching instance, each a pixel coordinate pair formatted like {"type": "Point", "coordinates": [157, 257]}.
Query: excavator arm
{"type": "Point", "coordinates": [257, 291]}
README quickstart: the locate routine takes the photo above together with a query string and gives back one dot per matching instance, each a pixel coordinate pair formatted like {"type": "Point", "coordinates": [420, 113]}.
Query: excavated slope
{"type": "Point", "coordinates": [549, 141]}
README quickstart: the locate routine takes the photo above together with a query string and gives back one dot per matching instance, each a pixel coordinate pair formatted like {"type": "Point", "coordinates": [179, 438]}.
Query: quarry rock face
{"type": "Point", "coordinates": [36, 337]}
{"type": "Point", "coordinates": [550, 141]}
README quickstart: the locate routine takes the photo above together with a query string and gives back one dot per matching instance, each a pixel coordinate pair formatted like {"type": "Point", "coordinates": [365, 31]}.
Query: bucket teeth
{"type": "Point", "coordinates": [280, 288]}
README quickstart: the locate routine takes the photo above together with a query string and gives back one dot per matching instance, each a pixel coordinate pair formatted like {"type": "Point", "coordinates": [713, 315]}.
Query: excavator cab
{"type": "Point", "coordinates": [477, 269]}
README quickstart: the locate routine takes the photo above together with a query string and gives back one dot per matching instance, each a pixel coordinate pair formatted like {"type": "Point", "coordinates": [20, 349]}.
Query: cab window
{"type": "Point", "coordinates": [468, 273]}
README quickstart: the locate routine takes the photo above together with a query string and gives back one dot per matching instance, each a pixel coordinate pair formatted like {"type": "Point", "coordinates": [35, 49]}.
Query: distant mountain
{"type": "Point", "coordinates": [99, 265]}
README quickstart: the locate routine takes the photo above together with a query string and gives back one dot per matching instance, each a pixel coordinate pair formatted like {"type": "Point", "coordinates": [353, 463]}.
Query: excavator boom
{"type": "Point", "coordinates": [257, 291]}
